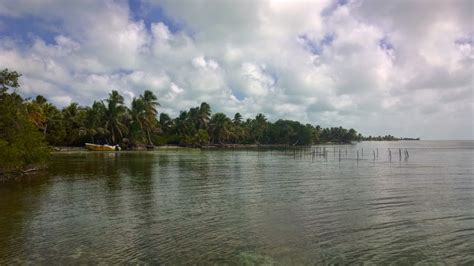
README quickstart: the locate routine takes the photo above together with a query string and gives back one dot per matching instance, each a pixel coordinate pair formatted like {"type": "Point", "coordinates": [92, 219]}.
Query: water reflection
{"type": "Point", "coordinates": [181, 207]}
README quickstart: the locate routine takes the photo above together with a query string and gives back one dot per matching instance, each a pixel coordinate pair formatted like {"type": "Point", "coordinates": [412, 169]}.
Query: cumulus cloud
{"type": "Point", "coordinates": [399, 67]}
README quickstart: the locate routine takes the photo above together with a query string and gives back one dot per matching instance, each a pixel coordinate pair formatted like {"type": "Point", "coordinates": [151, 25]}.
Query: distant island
{"type": "Point", "coordinates": [30, 127]}
{"type": "Point", "coordinates": [385, 138]}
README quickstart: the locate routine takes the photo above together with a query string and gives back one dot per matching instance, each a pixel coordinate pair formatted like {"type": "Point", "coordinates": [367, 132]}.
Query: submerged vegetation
{"type": "Point", "coordinates": [27, 126]}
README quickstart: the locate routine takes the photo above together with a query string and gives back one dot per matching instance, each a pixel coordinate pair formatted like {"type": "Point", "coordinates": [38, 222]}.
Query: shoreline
{"type": "Point", "coordinates": [66, 149]}
{"type": "Point", "coordinates": [61, 149]}
{"type": "Point", "coordinates": [72, 149]}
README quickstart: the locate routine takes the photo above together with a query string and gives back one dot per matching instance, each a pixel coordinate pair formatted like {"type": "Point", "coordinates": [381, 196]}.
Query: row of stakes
{"type": "Point", "coordinates": [323, 152]}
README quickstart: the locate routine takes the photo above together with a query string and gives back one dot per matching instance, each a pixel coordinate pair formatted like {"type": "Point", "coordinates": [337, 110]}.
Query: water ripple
{"type": "Point", "coordinates": [238, 208]}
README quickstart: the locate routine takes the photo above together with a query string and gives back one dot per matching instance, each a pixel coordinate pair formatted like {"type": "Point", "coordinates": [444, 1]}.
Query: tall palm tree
{"type": "Point", "coordinates": [138, 115]}
{"type": "Point", "coordinates": [95, 121]}
{"type": "Point", "coordinates": [151, 103]}
{"type": "Point", "coordinates": [74, 117]}
{"type": "Point", "coordinates": [204, 115]}
{"type": "Point", "coordinates": [150, 106]}
{"type": "Point", "coordinates": [260, 125]}
{"type": "Point", "coordinates": [114, 114]}
{"type": "Point", "coordinates": [193, 120]}
{"type": "Point", "coordinates": [219, 127]}
{"type": "Point", "coordinates": [181, 123]}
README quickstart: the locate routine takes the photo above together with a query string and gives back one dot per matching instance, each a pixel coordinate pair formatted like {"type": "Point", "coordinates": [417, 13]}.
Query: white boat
{"type": "Point", "coordinates": [97, 147]}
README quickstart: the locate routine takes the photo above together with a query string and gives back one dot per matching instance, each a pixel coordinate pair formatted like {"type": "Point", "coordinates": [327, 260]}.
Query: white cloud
{"type": "Point", "coordinates": [365, 64]}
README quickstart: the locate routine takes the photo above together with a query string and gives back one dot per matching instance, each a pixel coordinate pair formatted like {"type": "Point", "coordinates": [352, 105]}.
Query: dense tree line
{"type": "Point", "coordinates": [111, 122]}
{"type": "Point", "coordinates": [25, 122]}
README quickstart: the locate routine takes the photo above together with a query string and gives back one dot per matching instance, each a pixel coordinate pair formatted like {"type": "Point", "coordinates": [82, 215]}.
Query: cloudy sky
{"type": "Point", "coordinates": [400, 67]}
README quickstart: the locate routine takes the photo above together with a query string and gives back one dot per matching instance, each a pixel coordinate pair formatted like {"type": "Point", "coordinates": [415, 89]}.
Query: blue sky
{"type": "Point", "coordinates": [398, 67]}
{"type": "Point", "coordinates": [24, 29]}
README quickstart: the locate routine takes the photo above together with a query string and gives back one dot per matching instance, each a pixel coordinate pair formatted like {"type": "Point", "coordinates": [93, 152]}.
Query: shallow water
{"type": "Point", "coordinates": [238, 207]}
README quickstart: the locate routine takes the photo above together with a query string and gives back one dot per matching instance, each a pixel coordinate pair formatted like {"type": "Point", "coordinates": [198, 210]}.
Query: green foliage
{"type": "Point", "coordinates": [165, 123]}
{"type": "Point", "coordinates": [381, 138]}
{"type": "Point", "coordinates": [166, 139]}
{"type": "Point", "coordinates": [115, 115]}
{"type": "Point", "coordinates": [9, 79]}
{"type": "Point", "coordinates": [48, 119]}
{"type": "Point", "coordinates": [21, 144]}
{"type": "Point", "coordinates": [220, 128]}
{"type": "Point", "coordinates": [338, 135]}
{"type": "Point", "coordinates": [237, 119]}
{"type": "Point", "coordinates": [111, 121]}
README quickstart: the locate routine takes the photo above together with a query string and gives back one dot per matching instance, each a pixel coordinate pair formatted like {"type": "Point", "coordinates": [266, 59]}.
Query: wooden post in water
{"type": "Point", "coordinates": [339, 155]}
{"type": "Point", "coordinates": [357, 155]}
{"type": "Point", "coordinates": [362, 152]}
{"type": "Point", "coordinates": [390, 154]}
{"type": "Point", "coordinates": [374, 155]}
{"type": "Point", "coordinates": [400, 154]}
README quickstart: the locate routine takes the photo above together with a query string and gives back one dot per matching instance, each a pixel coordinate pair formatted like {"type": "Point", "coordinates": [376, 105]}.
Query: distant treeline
{"type": "Point", "coordinates": [385, 138]}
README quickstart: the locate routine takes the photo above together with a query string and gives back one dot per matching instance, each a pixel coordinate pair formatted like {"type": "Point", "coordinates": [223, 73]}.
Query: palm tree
{"type": "Point", "coordinates": [260, 118]}
{"type": "Point", "coordinates": [114, 114]}
{"type": "Point", "coordinates": [204, 115]}
{"type": "Point", "coordinates": [95, 120]}
{"type": "Point", "coordinates": [165, 122]}
{"type": "Point", "coordinates": [220, 127]}
{"type": "Point", "coordinates": [150, 106]}
{"type": "Point", "coordinates": [180, 123]}
{"type": "Point", "coordinates": [259, 127]}
{"type": "Point", "coordinates": [138, 115]}
{"type": "Point", "coordinates": [151, 103]}
{"type": "Point", "coordinates": [74, 117]}
{"type": "Point", "coordinates": [193, 119]}
{"type": "Point", "coordinates": [237, 119]}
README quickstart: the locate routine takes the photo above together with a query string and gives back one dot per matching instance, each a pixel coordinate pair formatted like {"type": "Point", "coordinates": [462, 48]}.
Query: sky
{"type": "Point", "coordinates": [381, 67]}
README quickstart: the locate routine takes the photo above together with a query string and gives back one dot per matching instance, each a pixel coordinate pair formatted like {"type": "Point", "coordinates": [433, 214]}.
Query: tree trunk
{"type": "Point", "coordinates": [149, 138]}
{"type": "Point", "coordinates": [45, 129]}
